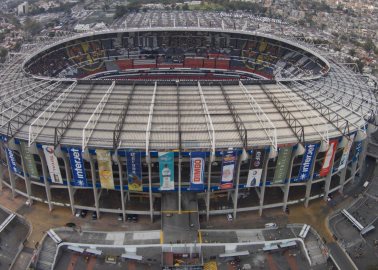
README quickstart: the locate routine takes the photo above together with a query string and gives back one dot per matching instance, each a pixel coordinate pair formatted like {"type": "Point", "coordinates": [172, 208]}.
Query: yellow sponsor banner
{"type": "Point", "coordinates": [105, 168]}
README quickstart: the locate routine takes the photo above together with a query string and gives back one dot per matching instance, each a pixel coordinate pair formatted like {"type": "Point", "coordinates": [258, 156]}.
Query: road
{"type": "Point", "coordinates": [340, 257]}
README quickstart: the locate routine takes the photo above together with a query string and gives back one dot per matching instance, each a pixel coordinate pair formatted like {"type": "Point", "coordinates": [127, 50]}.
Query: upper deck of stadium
{"type": "Point", "coordinates": [165, 114]}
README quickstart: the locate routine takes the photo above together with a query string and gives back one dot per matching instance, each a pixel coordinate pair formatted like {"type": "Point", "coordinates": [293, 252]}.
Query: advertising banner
{"type": "Point", "coordinates": [346, 151]}
{"type": "Point", "coordinates": [77, 166]}
{"type": "Point", "coordinates": [12, 161]}
{"type": "Point", "coordinates": [167, 170]}
{"type": "Point", "coordinates": [105, 168]}
{"type": "Point", "coordinates": [197, 170]}
{"type": "Point", "coordinates": [228, 169]}
{"type": "Point", "coordinates": [255, 168]}
{"type": "Point", "coordinates": [134, 171]}
{"type": "Point", "coordinates": [328, 158]}
{"type": "Point", "coordinates": [357, 151]}
{"type": "Point", "coordinates": [283, 164]}
{"type": "Point", "coordinates": [52, 164]}
{"type": "Point", "coordinates": [31, 168]}
{"type": "Point", "coordinates": [307, 162]}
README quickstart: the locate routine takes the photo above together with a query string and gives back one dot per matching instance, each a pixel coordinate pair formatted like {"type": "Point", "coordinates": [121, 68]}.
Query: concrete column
{"type": "Point", "coordinates": [45, 175]}
{"type": "Point", "coordinates": [342, 178]}
{"type": "Point", "coordinates": [287, 186]}
{"type": "Point", "coordinates": [69, 186]}
{"type": "Point", "coordinates": [1, 176]}
{"type": "Point", "coordinates": [309, 181]}
{"type": "Point", "coordinates": [12, 181]}
{"type": "Point", "coordinates": [362, 156]}
{"type": "Point", "coordinates": [119, 163]}
{"type": "Point", "coordinates": [179, 183]}
{"type": "Point", "coordinates": [94, 177]}
{"type": "Point", "coordinates": [236, 193]}
{"type": "Point", "coordinates": [148, 159]}
{"type": "Point", "coordinates": [208, 188]}
{"type": "Point", "coordinates": [27, 180]}
{"type": "Point", "coordinates": [262, 193]}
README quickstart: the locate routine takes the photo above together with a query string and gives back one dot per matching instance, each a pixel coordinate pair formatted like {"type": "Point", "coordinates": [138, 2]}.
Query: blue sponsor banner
{"type": "Point", "coordinates": [134, 171]}
{"type": "Point", "coordinates": [228, 169]}
{"type": "Point", "coordinates": [358, 150]}
{"type": "Point", "coordinates": [12, 161]}
{"type": "Point", "coordinates": [77, 167]}
{"type": "Point", "coordinates": [166, 170]}
{"type": "Point", "coordinates": [197, 170]}
{"type": "Point", "coordinates": [307, 161]}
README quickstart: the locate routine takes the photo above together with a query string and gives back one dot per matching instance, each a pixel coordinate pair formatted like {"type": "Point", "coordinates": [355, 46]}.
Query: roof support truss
{"type": "Point", "coordinates": [299, 103]}
{"type": "Point", "coordinates": [10, 95]}
{"type": "Point", "coordinates": [92, 121]}
{"type": "Point", "coordinates": [39, 123]}
{"type": "Point", "coordinates": [61, 128]}
{"type": "Point", "coordinates": [239, 124]}
{"type": "Point", "coordinates": [31, 110]}
{"type": "Point", "coordinates": [209, 122]}
{"type": "Point", "coordinates": [121, 120]}
{"type": "Point", "coordinates": [10, 110]}
{"type": "Point", "coordinates": [149, 122]}
{"type": "Point", "coordinates": [333, 116]}
{"type": "Point", "coordinates": [295, 126]}
{"type": "Point", "coordinates": [266, 124]}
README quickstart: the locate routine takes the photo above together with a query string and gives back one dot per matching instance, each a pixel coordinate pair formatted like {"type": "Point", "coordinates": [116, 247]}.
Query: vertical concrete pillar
{"type": "Point", "coordinates": [45, 176]}
{"type": "Point", "coordinates": [117, 159]}
{"type": "Point", "coordinates": [1, 176]}
{"type": "Point", "coordinates": [94, 180]}
{"type": "Point", "coordinates": [27, 180]}
{"type": "Point", "coordinates": [262, 193]}
{"type": "Point", "coordinates": [12, 181]}
{"type": "Point", "coordinates": [148, 159]}
{"type": "Point", "coordinates": [236, 193]}
{"type": "Point", "coordinates": [287, 185]}
{"type": "Point", "coordinates": [342, 175]}
{"type": "Point", "coordinates": [309, 181]}
{"type": "Point", "coordinates": [208, 188]}
{"type": "Point", "coordinates": [68, 178]}
{"type": "Point", "coordinates": [179, 183]}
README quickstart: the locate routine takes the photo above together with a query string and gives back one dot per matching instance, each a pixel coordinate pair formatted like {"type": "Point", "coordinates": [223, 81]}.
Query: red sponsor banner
{"type": "Point", "coordinates": [328, 158]}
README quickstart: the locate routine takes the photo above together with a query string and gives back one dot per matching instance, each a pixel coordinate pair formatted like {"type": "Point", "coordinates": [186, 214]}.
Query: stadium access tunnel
{"type": "Point", "coordinates": [294, 131]}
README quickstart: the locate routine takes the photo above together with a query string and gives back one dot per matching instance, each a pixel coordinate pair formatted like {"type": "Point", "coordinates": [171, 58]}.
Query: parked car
{"type": "Point", "coordinates": [271, 225]}
{"type": "Point", "coordinates": [83, 213]}
{"type": "Point", "coordinates": [94, 215]}
{"type": "Point", "coordinates": [229, 217]}
{"type": "Point", "coordinates": [129, 217]}
{"type": "Point", "coordinates": [134, 218]}
{"type": "Point", "coordinates": [77, 213]}
{"type": "Point", "coordinates": [120, 217]}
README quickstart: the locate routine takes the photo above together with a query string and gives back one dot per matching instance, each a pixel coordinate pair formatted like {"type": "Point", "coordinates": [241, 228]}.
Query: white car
{"type": "Point", "coordinates": [229, 217]}
{"type": "Point", "coordinates": [270, 225]}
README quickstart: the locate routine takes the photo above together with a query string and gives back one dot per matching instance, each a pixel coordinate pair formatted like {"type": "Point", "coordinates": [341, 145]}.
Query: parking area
{"type": "Point", "coordinates": [362, 249]}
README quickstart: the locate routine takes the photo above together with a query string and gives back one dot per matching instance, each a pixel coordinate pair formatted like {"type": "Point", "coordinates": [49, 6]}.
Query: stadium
{"type": "Point", "coordinates": [235, 119]}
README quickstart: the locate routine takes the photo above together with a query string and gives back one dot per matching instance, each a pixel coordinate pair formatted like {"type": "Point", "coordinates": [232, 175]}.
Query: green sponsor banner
{"type": "Point", "coordinates": [283, 164]}
{"type": "Point", "coordinates": [31, 168]}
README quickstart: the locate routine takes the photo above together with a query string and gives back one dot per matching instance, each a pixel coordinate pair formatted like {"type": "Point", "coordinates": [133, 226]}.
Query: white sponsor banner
{"type": "Point", "coordinates": [52, 164]}
{"type": "Point", "coordinates": [254, 177]}
{"type": "Point", "coordinates": [344, 157]}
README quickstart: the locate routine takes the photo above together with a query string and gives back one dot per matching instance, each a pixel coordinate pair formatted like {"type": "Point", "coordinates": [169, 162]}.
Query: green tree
{"type": "Point", "coordinates": [369, 45]}
{"type": "Point", "coordinates": [32, 27]}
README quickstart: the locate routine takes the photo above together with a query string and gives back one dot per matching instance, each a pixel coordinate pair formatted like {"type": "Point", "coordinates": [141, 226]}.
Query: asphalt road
{"type": "Point", "coordinates": [340, 257]}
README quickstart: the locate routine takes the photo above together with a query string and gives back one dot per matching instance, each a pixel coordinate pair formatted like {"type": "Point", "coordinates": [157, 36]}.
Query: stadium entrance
{"type": "Point", "coordinates": [179, 226]}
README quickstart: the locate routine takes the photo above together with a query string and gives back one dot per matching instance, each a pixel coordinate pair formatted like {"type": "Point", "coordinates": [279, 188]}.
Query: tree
{"type": "Point", "coordinates": [352, 52]}
{"type": "Point", "coordinates": [3, 54]}
{"type": "Point", "coordinates": [185, 6]}
{"type": "Point", "coordinates": [369, 45]}
{"type": "Point", "coordinates": [32, 27]}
